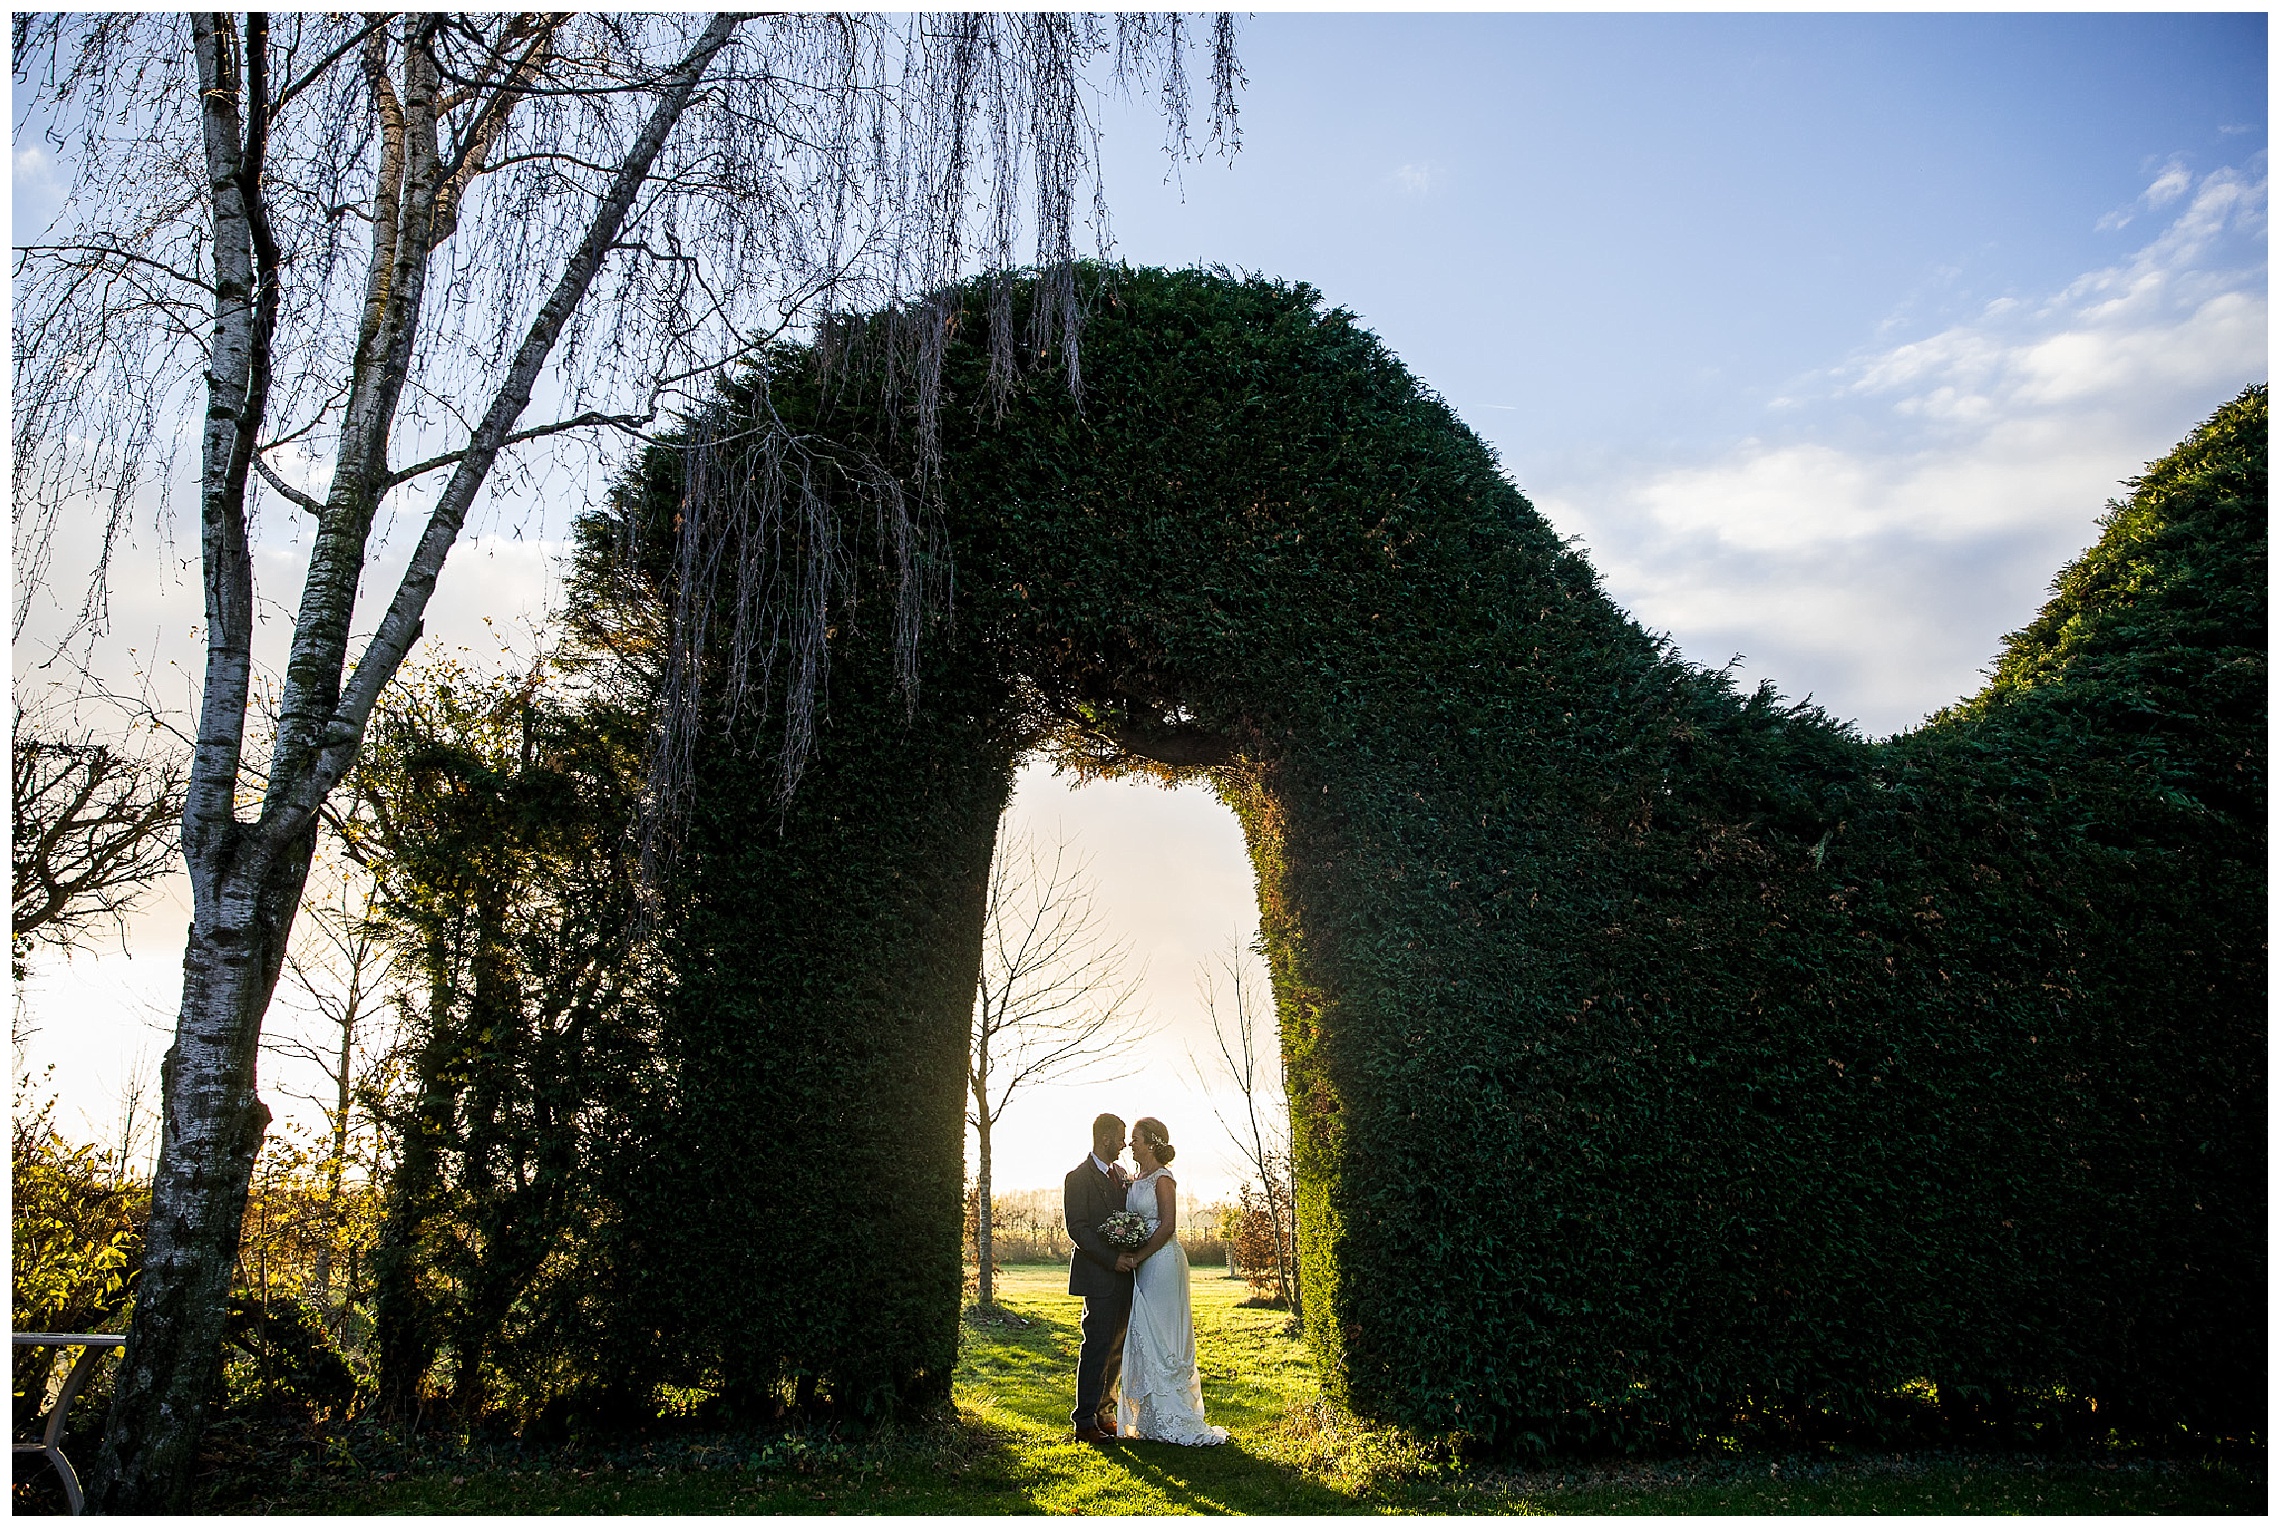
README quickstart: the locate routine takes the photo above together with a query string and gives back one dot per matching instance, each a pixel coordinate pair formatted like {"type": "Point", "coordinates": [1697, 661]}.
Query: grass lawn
{"type": "Point", "coordinates": [1011, 1452]}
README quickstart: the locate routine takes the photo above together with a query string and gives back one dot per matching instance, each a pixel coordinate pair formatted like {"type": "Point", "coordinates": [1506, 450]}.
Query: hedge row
{"type": "Point", "coordinates": [1659, 1053]}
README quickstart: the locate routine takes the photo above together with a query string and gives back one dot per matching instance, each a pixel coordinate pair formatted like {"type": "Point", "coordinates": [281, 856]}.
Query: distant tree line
{"type": "Point", "coordinates": [1026, 1228]}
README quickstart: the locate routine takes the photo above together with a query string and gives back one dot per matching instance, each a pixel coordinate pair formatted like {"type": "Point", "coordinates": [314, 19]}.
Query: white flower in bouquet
{"type": "Point", "coordinates": [1125, 1229]}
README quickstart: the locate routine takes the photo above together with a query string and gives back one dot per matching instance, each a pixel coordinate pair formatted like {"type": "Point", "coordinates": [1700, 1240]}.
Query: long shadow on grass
{"type": "Point", "coordinates": [1225, 1479]}
{"type": "Point", "coordinates": [1026, 1370]}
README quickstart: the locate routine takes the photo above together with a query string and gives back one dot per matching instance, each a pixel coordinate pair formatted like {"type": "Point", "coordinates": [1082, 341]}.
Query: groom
{"type": "Point", "coordinates": [1089, 1195]}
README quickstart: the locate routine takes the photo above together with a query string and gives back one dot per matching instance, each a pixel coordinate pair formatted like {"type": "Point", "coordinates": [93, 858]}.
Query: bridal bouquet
{"type": "Point", "coordinates": [1125, 1229]}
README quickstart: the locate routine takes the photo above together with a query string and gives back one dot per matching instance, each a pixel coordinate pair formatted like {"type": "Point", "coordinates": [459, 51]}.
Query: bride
{"type": "Point", "coordinates": [1160, 1396]}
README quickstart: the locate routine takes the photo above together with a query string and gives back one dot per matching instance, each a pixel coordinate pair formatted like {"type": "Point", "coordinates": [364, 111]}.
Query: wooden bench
{"type": "Point", "coordinates": [92, 1345]}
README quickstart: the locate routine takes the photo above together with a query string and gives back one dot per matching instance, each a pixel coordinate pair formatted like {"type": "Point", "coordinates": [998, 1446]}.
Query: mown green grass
{"type": "Point", "coordinates": [1010, 1451]}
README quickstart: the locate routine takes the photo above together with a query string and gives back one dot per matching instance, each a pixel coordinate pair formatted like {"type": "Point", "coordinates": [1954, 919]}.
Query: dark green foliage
{"type": "Point", "coordinates": [786, 1224]}
{"type": "Point", "coordinates": [498, 822]}
{"type": "Point", "coordinates": [1660, 1056]}
{"type": "Point", "coordinates": [2155, 637]}
{"type": "Point", "coordinates": [793, 1227]}
{"type": "Point", "coordinates": [290, 1367]}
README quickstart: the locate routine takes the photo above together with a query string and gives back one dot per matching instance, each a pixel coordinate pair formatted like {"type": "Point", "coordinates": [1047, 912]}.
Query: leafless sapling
{"type": "Point", "coordinates": [339, 967]}
{"type": "Point", "coordinates": [1057, 998]}
{"type": "Point", "coordinates": [1250, 1061]}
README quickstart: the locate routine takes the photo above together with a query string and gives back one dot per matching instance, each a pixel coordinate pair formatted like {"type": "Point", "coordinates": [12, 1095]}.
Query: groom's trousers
{"type": "Point", "coordinates": [1100, 1360]}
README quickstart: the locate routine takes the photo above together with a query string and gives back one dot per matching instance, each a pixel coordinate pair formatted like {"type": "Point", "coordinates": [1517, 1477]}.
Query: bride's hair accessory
{"type": "Point", "coordinates": [1151, 1130]}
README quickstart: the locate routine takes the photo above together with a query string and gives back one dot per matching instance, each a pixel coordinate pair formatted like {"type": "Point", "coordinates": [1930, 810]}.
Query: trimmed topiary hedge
{"type": "Point", "coordinates": [1659, 1054]}
{"type": "Point", "coordinates": [791, 1173]}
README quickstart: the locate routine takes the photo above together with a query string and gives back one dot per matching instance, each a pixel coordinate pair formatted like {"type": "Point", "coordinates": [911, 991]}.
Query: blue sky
{"type": "Point", "coordinates": [1626, 246]}
{"type": "Point", "coordinates": [1634, 229]}
{"type": "Point", "coordinates": [1828, 335]}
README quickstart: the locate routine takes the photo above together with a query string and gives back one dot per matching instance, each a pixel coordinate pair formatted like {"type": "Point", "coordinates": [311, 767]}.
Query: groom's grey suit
{"type": "Point", "coordinates": [1088, 1197]}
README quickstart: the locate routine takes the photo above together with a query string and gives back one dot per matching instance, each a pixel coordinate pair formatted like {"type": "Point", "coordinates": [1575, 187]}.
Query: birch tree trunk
{"type": "Point", "coordinates": [246, 877]}
{"type": "Point", "coordinates": [243, 898]}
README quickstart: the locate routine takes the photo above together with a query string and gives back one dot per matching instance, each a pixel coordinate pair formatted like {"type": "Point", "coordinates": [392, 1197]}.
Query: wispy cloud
{"type": "Point", "coordinates": [2173, 181]}
{"type": "Point", "coordinates": [1914, 500]}
{"type": "Point", "coordinates": [1418, 179]}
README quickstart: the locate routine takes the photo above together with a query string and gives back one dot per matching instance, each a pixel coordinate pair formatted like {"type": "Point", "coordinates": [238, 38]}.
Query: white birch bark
{"type": "Point", "coordinates": [246, 878]}
{"type": "Point", "coordinates": [212, 1118]}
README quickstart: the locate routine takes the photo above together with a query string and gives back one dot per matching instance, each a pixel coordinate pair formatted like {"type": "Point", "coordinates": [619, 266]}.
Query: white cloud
{"type": "Point", "coordinates": [1916, 499]}
{"type": "Point", "coordinates": [2173, 181]}
{"type": "Point", "coordinates": [2226, 201]}
{"type": "Point", "coordinates": [1418, 179]}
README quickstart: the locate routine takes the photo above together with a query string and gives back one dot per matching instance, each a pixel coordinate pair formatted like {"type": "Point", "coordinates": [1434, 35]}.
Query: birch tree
{"type": "Point", "coordinates": [1056, 998]}
{"type": "Point", "coordinates": [1250, 1061]}
{"type": "Point", "coordinates": [346, 254]}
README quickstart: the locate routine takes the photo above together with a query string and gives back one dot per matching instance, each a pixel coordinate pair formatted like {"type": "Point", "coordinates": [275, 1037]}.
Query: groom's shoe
{"type": "Point", "coordinates": [1093, 1434]}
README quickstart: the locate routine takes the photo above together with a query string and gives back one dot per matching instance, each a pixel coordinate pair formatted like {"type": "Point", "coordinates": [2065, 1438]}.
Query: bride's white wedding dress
{"type": "Point", "coordinates": [1160, 1396]}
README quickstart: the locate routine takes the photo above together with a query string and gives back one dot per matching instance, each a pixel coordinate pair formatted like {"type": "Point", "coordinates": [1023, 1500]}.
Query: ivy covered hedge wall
{"type": "Point", "coordinates": [1658, 1053]}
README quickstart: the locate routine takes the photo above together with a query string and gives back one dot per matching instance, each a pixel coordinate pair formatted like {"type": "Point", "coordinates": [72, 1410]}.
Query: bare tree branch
{"type": "Point", "coordinates": [340, 968]}
{"type": "Point", "coordinates": [92, 826]}
{"type": "Point", "coordinates": [1055, 999]}
{"type": "Point", "coordinates": [317, 70]}
{"type": "Point", "coordinates": [62, 253]}
{"type": "Point", "coordinates": [1242, 1034]}
{"type": "Point", "coordinates": [631, 424]}
{"type": "Point", "coordinates": [279, 485]}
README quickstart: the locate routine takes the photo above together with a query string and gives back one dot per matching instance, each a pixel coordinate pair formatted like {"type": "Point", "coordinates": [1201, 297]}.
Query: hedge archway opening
{"type": "Point", "coordinates": [1660, 1055]}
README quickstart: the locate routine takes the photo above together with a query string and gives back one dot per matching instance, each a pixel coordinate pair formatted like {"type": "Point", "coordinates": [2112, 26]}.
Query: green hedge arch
{"type": "Point", "coordinates": [1660, 1054]}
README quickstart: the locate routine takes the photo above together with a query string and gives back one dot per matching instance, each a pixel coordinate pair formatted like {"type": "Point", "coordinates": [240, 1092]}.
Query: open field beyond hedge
{"type": "Point", "coordinates": [1010, 1452]}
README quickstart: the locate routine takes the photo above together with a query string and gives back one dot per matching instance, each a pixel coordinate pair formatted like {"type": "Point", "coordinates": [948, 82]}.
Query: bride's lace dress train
{"type": "Point", "coordinates": [1160, 1397]}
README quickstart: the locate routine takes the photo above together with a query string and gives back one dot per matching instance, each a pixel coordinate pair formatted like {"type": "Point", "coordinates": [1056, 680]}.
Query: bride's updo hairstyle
{"type": "Point", "coordinates": [1158, 1138]}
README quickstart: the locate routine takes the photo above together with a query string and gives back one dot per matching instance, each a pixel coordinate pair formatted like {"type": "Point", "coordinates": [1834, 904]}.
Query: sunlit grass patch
{"type": "Point", "coordinates": [1005, 1446]}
